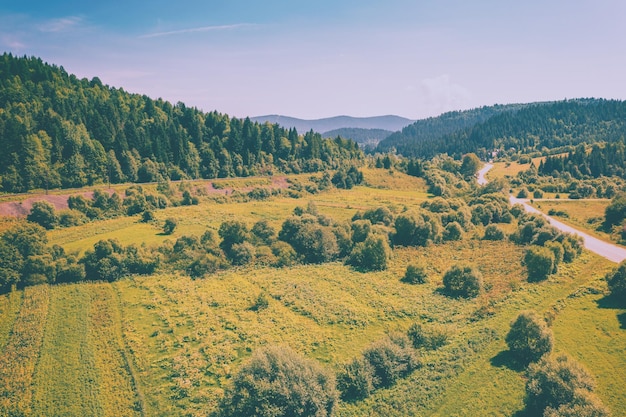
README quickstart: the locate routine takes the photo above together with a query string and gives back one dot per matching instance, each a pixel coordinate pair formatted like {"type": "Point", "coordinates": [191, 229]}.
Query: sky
{"type": "Point", "coordinates": [313, 59]}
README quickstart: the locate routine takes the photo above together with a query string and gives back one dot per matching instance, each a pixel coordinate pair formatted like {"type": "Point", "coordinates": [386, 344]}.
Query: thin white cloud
{"type": "Point", "coordinates": [12, 42]}
{"type": "Point", "coordinates": [199, 29]}
{"type": "Point", "coordinates": [440, 94]}
{"type": "Point", "coordinates": [63, 24]}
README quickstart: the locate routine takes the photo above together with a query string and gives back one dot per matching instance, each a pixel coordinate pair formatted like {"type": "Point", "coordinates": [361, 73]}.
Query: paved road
{"type": "Point", "coordinates": [481, 174]}
{"type": "Point", "coordinates": [609, 251]}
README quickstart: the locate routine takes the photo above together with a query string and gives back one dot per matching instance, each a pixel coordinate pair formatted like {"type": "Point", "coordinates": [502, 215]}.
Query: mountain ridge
{"type": "Point", "coordinates": [387, 122]}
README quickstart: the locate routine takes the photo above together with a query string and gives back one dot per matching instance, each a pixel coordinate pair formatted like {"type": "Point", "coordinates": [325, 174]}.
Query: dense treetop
{"type": "Point", "coordinates": [60, 131]}
{"type": "Point", "coordinates": [524, 127]}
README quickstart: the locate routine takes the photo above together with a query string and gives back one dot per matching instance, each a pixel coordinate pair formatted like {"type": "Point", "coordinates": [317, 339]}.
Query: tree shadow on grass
{"type": "Point", "coordinates": [506, 359]}
{"type": "Point", "coordinates": [610, 302]}
{"type": "Point", "coordinates": [614, 303]}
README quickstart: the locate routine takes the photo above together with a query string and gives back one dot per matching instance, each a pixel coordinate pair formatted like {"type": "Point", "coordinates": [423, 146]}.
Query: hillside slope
{"type": "Point", "coordinates": [526, 127]}
{"type": "Point", "coordinates": [60, 131]}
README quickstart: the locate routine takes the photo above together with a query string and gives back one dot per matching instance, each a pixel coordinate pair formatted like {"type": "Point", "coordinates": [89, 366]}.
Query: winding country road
{"type": "Point", "coordinates": [607, 250]}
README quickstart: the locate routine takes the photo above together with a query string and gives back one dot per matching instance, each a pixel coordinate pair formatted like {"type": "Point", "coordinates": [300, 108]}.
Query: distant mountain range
{"type": "Point", "coordinates": [389, 123]}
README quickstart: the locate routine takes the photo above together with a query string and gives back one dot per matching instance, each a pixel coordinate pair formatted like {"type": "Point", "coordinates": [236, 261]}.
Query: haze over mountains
{"type": "Point", "coordinates": [390, 122]}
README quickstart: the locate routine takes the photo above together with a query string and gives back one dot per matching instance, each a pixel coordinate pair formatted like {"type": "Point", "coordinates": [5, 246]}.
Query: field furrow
{"type": "Point", "coordinates": [20, 355]}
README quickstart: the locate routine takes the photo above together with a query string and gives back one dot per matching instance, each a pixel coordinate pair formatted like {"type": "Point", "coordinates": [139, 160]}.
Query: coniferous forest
{"type": "Point", "coordinates": [60, 131]}
{"type": "Point", "coordinates": [527, 128]}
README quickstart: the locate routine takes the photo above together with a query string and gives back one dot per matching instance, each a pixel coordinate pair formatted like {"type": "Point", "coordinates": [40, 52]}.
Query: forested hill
{"type": "Point", "coordinates": [407, 142]}
{"type": "Point", "coordinates": [60, 131]}
{"type": "Point", "coordinates": [526, 127]}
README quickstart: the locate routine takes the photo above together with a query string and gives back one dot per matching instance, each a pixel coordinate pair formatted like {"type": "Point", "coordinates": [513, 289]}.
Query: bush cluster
{"type": "Point", "coordinates": [380, 366]}
{"type": "Point", "coordinates": [276, 381]}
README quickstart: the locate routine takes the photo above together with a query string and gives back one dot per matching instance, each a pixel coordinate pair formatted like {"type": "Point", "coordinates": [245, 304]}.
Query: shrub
{"type": "Point", "coordinates": [232, 232]}
{"type": "Point", "coordinates": [360, 230]}
{"type": "Point", "coordinates": [493, 232]}
{"type": "Point", "coordinates": [276, 381]}
{"type": "Point", "coordinates": [463, 281]}
{"type": "Point", "coordinates": [584, 404]}
{"type": "Point", "coordinates": [355, 380]}
{"type": "Point", "coordinates": [241, 253]}
{"type": "Point", "coordinates": [70, 218]}
{"type": "Point", "coordinates": [616, 280]}
{"type": "Point", "coordinates": [390, 358]}
{"type": "Point", "coordinates": [615, 212]}
{"type": "Point", "coordinates": [43, 214]}
{"type": "Point", "coordinates": [553, 383]}
{"type": "Point", "coordinates": [453, 231]}
{"type": "Point", "coordinates": [432, 338]}
{"type": "Point", "coordinates": [204, 264]}
{"type": "Point", "coordinates": [540, 263]}
{"type": "Point", "coordinates": [523, 193]}
{"type": "Point", "coordinates": [284, 253]}
{"type": "Point", "coordinates": [147, 216]}
{"type": "Point", "coordinates": [264, 231]}
{"type": "Point", "coordinates": [105, 261]}
{"type": "Point", "coordinates": [371, 255]}
{"type": "Point", "coordinates": [169, 226]}
{"type": "Point", "coordinates": [415, 275]}
{"type": "Point", "coordinates": [529, 337]}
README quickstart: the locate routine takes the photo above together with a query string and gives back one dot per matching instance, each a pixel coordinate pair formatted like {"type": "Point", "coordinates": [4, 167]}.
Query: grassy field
{"type": "Point", "coordinates": [586, 215]}
{"type": "Point", "coordinates": [168, 345]}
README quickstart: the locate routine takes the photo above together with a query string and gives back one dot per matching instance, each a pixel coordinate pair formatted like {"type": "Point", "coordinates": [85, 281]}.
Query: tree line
{"type": "Point", "coordinates": [60, 131]}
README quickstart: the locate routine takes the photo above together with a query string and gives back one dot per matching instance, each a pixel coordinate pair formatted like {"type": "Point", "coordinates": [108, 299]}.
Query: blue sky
{"type": "Point", "coordinates": [322, 58]}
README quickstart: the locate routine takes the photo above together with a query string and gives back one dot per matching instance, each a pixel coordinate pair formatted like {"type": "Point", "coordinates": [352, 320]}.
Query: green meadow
{"type": "Point", "coordinates": [169, 345]}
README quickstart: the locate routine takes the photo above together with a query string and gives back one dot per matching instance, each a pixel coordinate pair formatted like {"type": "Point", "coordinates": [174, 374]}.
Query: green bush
{"type": "Point", "coordinates": [616, 280]}
{"type": "Point", "coordinates": [372, 254]}
{"type": "Point", "coordinates": [147, 216]}
{"type": "Point", "coordinates": [529, 337]}
{"type": "Point", "coordinates": [493, 232]}
{"type": "Point", "coordinates": [453, 231]}
{"type": "Point", "coordinates": [559, 384]}
{"type": "Point", "coordinates": [169, 226]}
{"type": "Point", "coordinates": [463, 281]}
{"type": "Point", "coordinates": [276, 381]}
{"type": "Point", "coordinates": [415, 275]}
{"type": "Point", "coordinates": [70, 218]}
{"type": "Point", "coordinates": [391, 358]}
{"type": "Point", "coordinates": [355, 380]}
{"type": "Point", "coordinates": [43, 214]}
{"type": "Point", "coordinates": [540, 263]}
{"type": "Point", "coordinates": [429, 338]}
{"type": "Point", "coordinates": [241, 253]}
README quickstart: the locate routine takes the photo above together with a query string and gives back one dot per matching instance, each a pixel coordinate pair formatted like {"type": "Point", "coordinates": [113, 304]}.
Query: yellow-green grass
{"type": "Point", "coordinates": [167, 345]}
{"type": "Point", "coordinates": [592, 329]}
{"type": "Point", "coordinates": [20, 354]}
{"type": "Point", "coordinates": [509, 169]}
{"type": "Point", "coordinates": [488, 387]}
{"type": "Point", "coordinates": [82, 369]}
{"type": "Point", "coordinates": [184, 338]}
{"type": "Point", "coordinates": [392, 180]}
{"type": "Point", "coordinates": [10, 305]}
{"type": "Point", "coordinates": [198, 331]}
{"type": "Point", "coordinates": [341, 205]}
{"type": "Point", "coordinates": [585, 214]}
